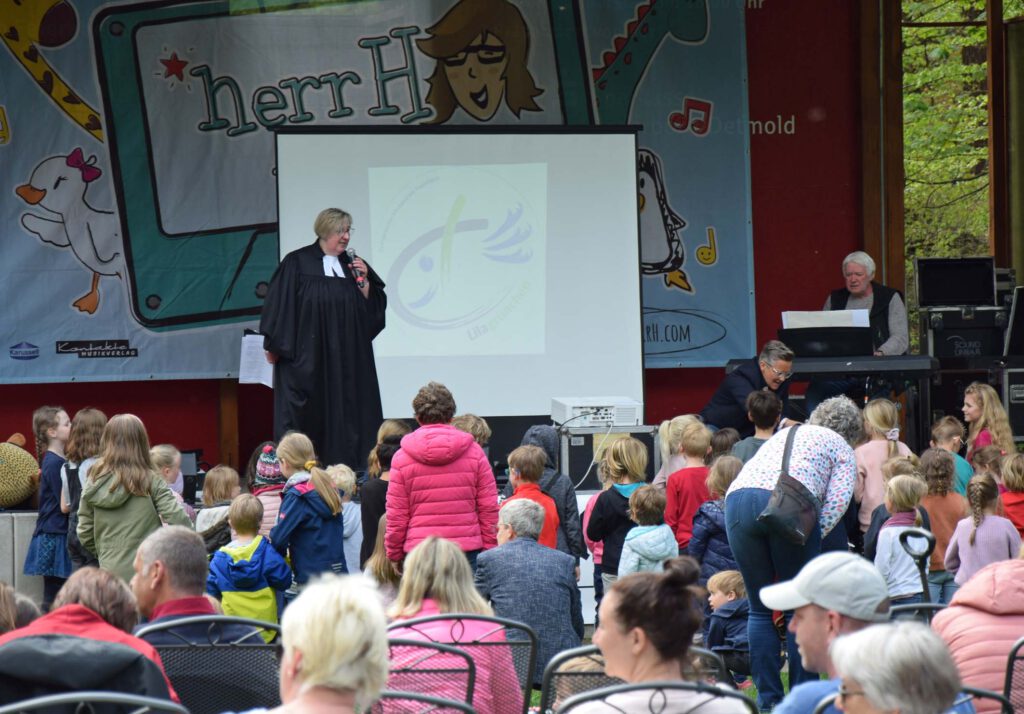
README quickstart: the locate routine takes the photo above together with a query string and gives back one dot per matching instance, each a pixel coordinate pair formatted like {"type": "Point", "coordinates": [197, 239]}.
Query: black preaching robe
{"type": "Point", "coordinates": [325, 380]}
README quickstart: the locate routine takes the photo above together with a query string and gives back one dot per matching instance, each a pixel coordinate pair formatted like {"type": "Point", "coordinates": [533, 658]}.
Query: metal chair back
{"type": "Point", "coordinates": [558, 685]}
{"type": "Point", "coordinates": [498, 646]}
{"type": "Point", "coordinates": [707, 664]}
{"type": "Point", "coordinates": [430, 668]}
{"type": "Point", "coordinates": [1013, 687]}
{"type": "Point", "coordinates": [415, 703]}
{"type": "Point", "coordinates": [923, 611]}
{"type": "Point", "coordinates": [972, 694]}
{"type": "Point", "coordinates": [94, 703]}
{"type": "Point", "coordinates": [656, 697]}
{"type": "Point", "coordinates": [213, 672]}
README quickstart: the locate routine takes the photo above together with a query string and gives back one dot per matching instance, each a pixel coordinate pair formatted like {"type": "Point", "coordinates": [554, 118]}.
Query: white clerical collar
{"type": "Point", "coordinates": [332, 267]}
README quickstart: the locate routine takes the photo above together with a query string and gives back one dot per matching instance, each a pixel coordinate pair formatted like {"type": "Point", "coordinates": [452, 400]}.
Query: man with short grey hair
{"type": "Point", "coordinates": [531, 583]}
{"type": "Point", "coordinates": [770, 370]}
{"type": "Point", "coordinates": [170, 583]}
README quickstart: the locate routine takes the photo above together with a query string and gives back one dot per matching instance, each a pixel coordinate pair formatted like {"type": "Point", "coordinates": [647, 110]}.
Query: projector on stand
{"type": "Point", "coordinates": [584, 412]}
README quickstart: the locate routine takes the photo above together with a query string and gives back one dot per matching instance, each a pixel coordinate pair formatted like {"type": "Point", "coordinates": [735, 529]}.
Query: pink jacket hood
{"type": "Point", "coordinates": [983, 621]}
{"type": "Point", "coordinates": [436, 444]}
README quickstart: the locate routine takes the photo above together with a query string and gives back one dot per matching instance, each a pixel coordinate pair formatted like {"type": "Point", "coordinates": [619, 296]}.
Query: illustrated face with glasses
{"type": "Point", "coordinates": [776, 373]}
{"type": "Point", "coordinates": [477, 75]}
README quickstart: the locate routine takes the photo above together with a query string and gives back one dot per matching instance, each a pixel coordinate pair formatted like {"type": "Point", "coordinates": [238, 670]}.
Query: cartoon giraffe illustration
{"type": "Point", "coordinates": [27, 25]}
{"type": "Point", "coordinates": [623, 67]}
{"type": "Point", "coordinates": [58, 186]}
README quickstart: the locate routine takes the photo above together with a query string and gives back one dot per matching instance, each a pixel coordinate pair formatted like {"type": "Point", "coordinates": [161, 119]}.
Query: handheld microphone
{"type": "Point", "coordinates": [360, 278]}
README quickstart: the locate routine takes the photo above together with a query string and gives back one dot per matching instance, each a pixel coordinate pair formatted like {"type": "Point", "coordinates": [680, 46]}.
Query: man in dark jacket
{"type": "Point", "coordinates": [769, 370]}
{"type": "Point", "coordinates": [531, 583]}
{"type": "Point", "coordinates": [560, 488]}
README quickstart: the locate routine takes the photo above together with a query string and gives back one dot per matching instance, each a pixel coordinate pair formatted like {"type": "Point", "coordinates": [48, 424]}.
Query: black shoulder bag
{"type": "Point", "coordinates": [792, 511]}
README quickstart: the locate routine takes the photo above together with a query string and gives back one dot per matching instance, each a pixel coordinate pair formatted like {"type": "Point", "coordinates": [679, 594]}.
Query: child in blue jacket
{"type": "Point", "coordinates": [310, 526]}
{"type": "Point", "coordinates": [710, 544]}
{"type": "Point", "coordinates": [727, 626]}
{"type": "Point", "coordinates": [247, 574]}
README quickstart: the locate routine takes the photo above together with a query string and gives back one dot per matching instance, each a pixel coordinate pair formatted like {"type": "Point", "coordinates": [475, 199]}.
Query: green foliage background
{"type": "Point", "coordinates": [945, 132]}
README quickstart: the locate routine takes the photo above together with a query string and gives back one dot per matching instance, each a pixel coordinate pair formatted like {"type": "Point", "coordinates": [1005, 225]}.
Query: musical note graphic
{"type": "Point", "coordinates": [695, 117]}
{"type": "Point", "coordinates": [5, 129]}
{"type": "Point", "coordinates": [708, 254]}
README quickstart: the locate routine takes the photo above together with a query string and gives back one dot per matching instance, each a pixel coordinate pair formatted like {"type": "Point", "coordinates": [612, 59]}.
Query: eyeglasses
{"type": "Point", "coordinates": [485, 54]}
{"type": "Point", "coordinates": [777, 373]}
{"type": "Point", "coordinates": [844, 693]}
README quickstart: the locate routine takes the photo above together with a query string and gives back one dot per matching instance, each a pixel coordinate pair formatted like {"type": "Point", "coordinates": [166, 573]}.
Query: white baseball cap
{"type": "Point", "coordinates": [844, 582]}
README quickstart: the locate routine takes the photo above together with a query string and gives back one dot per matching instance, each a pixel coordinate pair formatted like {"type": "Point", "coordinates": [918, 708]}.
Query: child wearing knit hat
{"type": "Point", "coordinates": [266, 482]}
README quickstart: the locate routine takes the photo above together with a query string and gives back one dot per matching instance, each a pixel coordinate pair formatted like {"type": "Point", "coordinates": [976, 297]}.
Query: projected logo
{"type": "Point", "coordinates": [462, 249]}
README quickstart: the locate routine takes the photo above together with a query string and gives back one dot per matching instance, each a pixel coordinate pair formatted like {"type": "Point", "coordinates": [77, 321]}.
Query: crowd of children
{"type": "Point", "coordinates": [287, 519]}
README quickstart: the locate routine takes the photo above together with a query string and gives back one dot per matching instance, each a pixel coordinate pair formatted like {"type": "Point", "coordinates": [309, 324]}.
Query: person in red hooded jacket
{"type": "Point", "coordinates": [441, 484]}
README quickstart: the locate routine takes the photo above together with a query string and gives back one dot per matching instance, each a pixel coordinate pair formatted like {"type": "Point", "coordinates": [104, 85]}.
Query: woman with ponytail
{"type": "Point", "coordinates": [310, 525]}
{"type": "Point", "coordinates": [983, 537]}
{"type": "Point", "coordinates": [882, 428]}
{"type": "Point", "coordinates": [646, 624]}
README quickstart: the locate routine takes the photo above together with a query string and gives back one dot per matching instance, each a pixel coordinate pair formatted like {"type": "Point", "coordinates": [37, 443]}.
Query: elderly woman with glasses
{"type": "Point", "coordinates": [902, 667]}
{"type": "Point", "coordinates": [822, 460]}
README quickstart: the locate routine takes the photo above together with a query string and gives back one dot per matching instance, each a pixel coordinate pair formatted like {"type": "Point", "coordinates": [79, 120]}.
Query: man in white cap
{"type": "Point", "coordinates": [834, 594]}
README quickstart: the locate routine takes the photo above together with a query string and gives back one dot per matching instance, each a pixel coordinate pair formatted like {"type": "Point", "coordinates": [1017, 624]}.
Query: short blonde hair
{"type": "Point", "coordinates": [696, 439]}
{"type": "Point", "coordinates": [220, 484]}
{"type": "Point", "coordinates": [722, 473]}
{"type": "Point", "coordinates": [343, 478]}
{"type": "Point", "coordinates": [670, 435]}
{"type": "Point", "coordinates": [1013, 472]}
{"type": "Point", "coordinates": [245, 515]}
{"type": "Point", "coordinates": [163, 455]}
{"type": "Point", "coordinates": [329, 221]}
{"type": "Point", "coordinates": [908, 465]}
{"type": "Point", "coordinates": [727, 581]}
{"type": "Point", "coordinates": [904, 493]}
{"type": "Point", "coordinates": [338, 624]}
{"type": "Point", "coordinates": [625, 460]}
{"type": "Point", "coordinates": [475, 426]}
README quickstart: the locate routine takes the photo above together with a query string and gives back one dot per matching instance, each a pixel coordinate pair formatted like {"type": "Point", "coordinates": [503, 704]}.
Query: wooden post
{"type": "Point", "coordinates": [228, 423]}
{"type": "Point", "coordinates": [998, 205]}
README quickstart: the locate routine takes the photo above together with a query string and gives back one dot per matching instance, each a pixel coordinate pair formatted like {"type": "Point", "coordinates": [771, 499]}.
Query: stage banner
{"type": "Point", "coordinates": [138, 227]}
{"type": "Point", "coordinates": [679, 70]}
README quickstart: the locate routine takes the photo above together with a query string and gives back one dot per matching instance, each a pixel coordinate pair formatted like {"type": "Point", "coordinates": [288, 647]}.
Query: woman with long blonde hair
{"type": "Point", "coordinates": [124, 499]}
{"type": "Point", "coordinates": [987, 421]}
{"type": "Point", "coordinates": [436, 581]}
{"type": "Point", "coordinates": [311, 526]}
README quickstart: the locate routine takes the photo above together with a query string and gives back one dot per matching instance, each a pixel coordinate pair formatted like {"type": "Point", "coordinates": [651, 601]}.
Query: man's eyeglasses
{"type": "Point", "coordinates": [844, 693]}
{"type": "Point", "coordinates": [777, 373]}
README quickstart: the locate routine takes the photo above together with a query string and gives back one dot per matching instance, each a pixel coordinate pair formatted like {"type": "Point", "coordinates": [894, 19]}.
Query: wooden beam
{"type": "Point", "coordinates": [892, 142]}
{"type": "Point", "coordinates": [872, 216]}
{"type": "Point", "coordinates": [228, 423]}
{"type": "Point", "coordinates": [998, 203]}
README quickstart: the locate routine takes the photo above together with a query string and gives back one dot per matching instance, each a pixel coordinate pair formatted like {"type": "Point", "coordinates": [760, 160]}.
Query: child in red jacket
{"type": "Point", "coordinates": [686, 489]}
{"type": "Point", "coordinates": [525, 467]}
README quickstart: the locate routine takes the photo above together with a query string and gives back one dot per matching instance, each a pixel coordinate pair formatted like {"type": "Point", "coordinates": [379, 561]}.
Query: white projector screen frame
{"type": "Point", "coordinates": [536, 225]}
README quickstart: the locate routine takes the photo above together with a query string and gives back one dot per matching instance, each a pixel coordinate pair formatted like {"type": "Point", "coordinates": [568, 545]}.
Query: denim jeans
{"type": "Point", "coordinates": [765, 558]}
{"type": "Point", "coordinates": [941, 586]}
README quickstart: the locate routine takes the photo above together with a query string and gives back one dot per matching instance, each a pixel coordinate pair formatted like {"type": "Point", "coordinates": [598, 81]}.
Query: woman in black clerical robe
{"type": "Point", "coordinates": [318, 325]}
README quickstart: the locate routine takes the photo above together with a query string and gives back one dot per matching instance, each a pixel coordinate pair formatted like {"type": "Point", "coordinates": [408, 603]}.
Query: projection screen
{"type": "Point", "coordinates": [510, 258]}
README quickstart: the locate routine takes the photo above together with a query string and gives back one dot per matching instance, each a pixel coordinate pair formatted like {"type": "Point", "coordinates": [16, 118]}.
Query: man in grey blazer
{"type": "Point", "coordinates": [531, 583]}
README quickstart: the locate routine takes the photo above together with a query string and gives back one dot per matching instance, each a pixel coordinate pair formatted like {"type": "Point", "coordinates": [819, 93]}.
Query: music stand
{"type": "Point", "coordinates": [828, 341]}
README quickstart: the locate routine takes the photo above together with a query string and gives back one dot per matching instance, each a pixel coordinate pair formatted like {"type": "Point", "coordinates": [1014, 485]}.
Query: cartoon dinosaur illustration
{"type": "Point", "coordinates": [662, 250]}
{"type": "Point", "coordinates": [27, 25]}
{"type": "Point", "coordinates": [623, 67]}
{"type": "Point", "coordinates": [58, 186]}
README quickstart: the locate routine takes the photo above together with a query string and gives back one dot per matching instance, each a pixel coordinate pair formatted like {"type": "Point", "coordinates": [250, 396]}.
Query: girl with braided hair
{"type": "Point", "coordinates": [983, 537]}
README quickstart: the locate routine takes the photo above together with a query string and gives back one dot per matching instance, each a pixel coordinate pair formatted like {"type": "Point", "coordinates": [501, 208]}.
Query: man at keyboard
{"type": "Point", "coordinates": [887, 318]}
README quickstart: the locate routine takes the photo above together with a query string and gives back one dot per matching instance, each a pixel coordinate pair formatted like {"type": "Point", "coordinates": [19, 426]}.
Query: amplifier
{"type": "Point", "coordinates": [1013, 400]}
{"type": "Point", "coordinates": [945, 395]}
{"type": "Point", "coordinates": [963, 332]}
{"type": "Point", "coordinates": [581, 446]}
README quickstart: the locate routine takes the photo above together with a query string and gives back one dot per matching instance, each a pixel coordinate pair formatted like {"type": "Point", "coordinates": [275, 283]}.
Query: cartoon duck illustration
{"type": "Point", "coordinates": [58, 186]}
{"type": "Point", "coordinates": [661, 246]}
